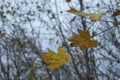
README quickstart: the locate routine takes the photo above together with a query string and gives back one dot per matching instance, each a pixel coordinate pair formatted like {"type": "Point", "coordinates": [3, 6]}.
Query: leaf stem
{"type": "Point", "coordinates": [91, 26]}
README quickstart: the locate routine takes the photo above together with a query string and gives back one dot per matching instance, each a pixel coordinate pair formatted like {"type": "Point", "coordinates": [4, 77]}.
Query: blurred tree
{"type": "Point", "coordinates": [30, 27]}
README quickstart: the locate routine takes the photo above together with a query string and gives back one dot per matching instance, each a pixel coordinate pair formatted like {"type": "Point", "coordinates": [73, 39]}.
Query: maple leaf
{"type": "Point", "coordinates": [96, 17]}
{"type": "Point", "coordinates": [82, 40]}
{"type": "Point", "coordinates": [55, 60]}
{"type": "Point", "coordinates": [80, 13]}
{"type": "Point", "coordinates": [92, 16]}
{"type": "Point", "coordinates": [116, 13]}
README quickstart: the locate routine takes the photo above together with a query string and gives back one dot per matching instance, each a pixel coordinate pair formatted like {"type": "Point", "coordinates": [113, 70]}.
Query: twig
{"type": "Point", "coordinates": [103, 31]}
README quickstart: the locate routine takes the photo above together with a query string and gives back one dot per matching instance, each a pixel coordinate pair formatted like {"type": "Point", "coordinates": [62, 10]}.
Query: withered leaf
{"type": "Point", "coordinates": [92, 16]}
{"type": "Point", "coordinates": [55, 60]}
{"type": "Point", "coordinates": [68, 1]}
{"type": "Point", "coordinates": [82, 40]}
{"type": "Point", "coordinates": [116, 13]}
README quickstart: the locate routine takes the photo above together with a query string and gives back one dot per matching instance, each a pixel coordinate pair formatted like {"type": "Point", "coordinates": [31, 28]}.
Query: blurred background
{"type": "Point", "coordinates": [28, 28]}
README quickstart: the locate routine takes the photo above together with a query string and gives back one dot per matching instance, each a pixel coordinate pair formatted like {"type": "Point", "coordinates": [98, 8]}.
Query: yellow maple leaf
{"type": "Point", "coordinates": [55, 60]}
{"type": "Point", "coordinates": [82, 40]}
{"type": "Point", "coordinates": [92, 16]}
